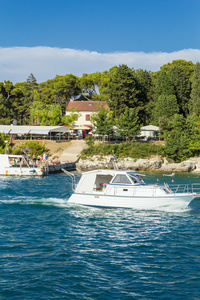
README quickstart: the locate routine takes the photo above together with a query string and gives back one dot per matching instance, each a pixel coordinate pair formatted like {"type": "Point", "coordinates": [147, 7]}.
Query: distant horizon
{"type": "Point", "coordinates": [17, 63]}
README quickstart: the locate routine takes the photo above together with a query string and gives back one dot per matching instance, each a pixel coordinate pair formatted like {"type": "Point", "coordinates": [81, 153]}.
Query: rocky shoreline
{"type": "Point", "coordinates": [153, 164]}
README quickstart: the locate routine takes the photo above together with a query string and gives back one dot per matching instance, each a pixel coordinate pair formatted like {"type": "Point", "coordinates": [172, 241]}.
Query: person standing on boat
{"type": "Point", "coordinates": [34, 159]}
{"type": "Point", "coordinates": [45, 156]}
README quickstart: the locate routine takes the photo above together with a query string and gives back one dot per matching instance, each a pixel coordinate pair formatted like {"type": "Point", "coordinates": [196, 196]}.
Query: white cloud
{"type": "Point", "coordinates": [17, 63]}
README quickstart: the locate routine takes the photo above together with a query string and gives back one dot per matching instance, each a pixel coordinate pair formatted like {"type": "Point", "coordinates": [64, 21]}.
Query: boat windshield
{"type": "Point", "coordinates": [136, 179]}
{"type": "Point", "coordinates": [121, 178]}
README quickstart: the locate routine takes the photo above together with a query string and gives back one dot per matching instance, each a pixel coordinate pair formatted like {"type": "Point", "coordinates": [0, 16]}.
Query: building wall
{"type": "Point", "coordinates": [148, 133]}
{"type": "Point", "coordinates": [83, 119]}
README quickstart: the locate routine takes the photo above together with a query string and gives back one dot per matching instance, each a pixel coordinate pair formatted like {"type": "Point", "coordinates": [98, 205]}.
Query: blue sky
{"type": "Point", "coordinates": [94, 35]}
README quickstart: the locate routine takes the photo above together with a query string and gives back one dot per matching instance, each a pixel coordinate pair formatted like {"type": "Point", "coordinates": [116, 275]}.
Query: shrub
{"type": "Point", "coordinates": [126, 149]}
{"type": "Point", "coordinates": [89, 141]}
{"type": "Point", "coordinates": [3, 140]}
{"type": "Point", "coordinates": [33, 147]}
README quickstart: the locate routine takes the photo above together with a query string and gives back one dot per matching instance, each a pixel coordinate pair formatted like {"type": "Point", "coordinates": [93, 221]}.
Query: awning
{"type": "Point", "coordinates": [150, 128]}
{"type": "Point", "coordinates": [5, 129]}
{"type": "Point", "coordinates": [81, 128]}
{"type": "Point", "coordinates": [45, 130]}
{"type": "Point", "coordinates": [40, 130]}
{"type": "Point", "coordinates": [59, 129]}
{"type": "Point", "coordinates": [19, 131]}
{"type": "Point", "coordinates": [69, 126]}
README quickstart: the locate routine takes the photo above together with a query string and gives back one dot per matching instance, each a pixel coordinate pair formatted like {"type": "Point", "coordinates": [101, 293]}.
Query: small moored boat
{"type": "Point", "coordinates": [18, 165]}
{"type": "Point", "coordinates": [126, 189]}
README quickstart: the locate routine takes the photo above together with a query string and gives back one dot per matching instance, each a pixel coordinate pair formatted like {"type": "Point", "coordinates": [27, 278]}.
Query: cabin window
{"type": "Point", "coordinates": [136, 179]}
{"type": "Point", "coordinates": [102, 180]}
{"type": "Point", "coordinates": [121, 179]}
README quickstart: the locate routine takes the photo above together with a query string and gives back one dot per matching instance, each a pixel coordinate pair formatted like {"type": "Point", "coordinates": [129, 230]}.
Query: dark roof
{"type": "Point", "coordinates": [87, 105]}
{"type": "Point", "coordinates": [80, 97]}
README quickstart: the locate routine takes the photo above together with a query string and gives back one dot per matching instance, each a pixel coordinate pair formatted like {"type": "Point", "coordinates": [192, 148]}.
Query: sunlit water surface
{"type": "Point", "coordinates": [51, 250]}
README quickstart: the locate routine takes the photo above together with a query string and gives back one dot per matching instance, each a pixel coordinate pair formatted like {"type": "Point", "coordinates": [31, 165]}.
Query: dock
{"type": "Point", "coordinates": [57, 168]}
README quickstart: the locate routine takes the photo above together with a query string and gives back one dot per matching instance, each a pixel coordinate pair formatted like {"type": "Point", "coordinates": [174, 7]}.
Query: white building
{"type": "Point", "coordinates": [86, 108]}
{"type": "Point", "coordinates": [149, 131]}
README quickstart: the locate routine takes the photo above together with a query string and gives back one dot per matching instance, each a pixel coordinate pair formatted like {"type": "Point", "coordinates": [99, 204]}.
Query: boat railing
{"type": "Point", "coordinates": [184, 188]}
{"type": "Point", "coordinates": [72, 177]}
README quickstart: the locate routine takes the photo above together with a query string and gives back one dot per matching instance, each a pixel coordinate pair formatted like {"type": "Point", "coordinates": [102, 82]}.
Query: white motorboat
{"type": "Point", "coordinates": [18, 165]}
{"type": "Point", "coordinates": [126, 189]}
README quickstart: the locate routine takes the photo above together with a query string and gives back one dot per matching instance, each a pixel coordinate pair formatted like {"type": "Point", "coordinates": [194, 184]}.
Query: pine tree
{"type": "Point", "coordinates": [195, 93]}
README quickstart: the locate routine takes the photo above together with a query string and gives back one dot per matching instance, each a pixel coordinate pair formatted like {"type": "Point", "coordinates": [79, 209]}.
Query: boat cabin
{"type": "Point", "coordinates": [9, 160]}
{"type": "Point", "coordinates": [99, 179]}
{"type": "Point", "coordinates": [18, 165]}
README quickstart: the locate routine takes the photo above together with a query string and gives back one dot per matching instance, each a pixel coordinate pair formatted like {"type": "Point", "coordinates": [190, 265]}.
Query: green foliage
{"type": "Point", "coordinates": [89, 141]}
{"type": "Point", "coordinates": [164, 84]}
{"type": "Point", "coordinates": [45, 114]}
{"type": "Point", "coordinates": [182, 138]}
{"type": "Point", "coordinates": [4, 143]}
{"type": "Point", "coordinates": [182, 88]}
{"type": "Point", "coordinates": [20, 105]}
{"type": "Point", "coordinates": [187, 66]}
{"type": "Point", "coordinates": [87, 84]}
{"type": "Point", "coordinates": [103, 122]}
{"type": "Point", "coordinates": [71, 118]}
{"type": "Point", "coordinates": [53, 114]}
{"type": "Point", "coordinates": [34, 146]}
{"type": "Point", "coordinates": [166, 106]}
{"type": "Point", "coordinates": [126, 149]}
{"type": "Point", "coordinates": [177, 149]}
{"type": "Point", "coordinates": [38, 112]}
{"type": "Point", "coordinates": [127, 123]}
{"type": "Point", "coordinates": [169, 98]}
{"type": "Point", "coordinates": [63, 89]}
{"type": "Point", "coordinates": [121, 86]}
{"type": "Point", "coordinates": [104, 82]}
{"type": "Point", "coordinates": [145, 89]}
{"type": "Point", "coordinates": [122, 89]}
{"type": "Point", "coordinates": [193, 131]}
{"type": "Point", "coordinates": [195, 93]}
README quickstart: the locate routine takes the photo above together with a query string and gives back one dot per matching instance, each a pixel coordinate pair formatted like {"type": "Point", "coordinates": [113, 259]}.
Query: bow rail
{"type": "Point", "coordinates": [185, 188]}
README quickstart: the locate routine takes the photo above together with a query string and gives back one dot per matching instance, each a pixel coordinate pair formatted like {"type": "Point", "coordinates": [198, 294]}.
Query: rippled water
{"type": "Point", "coordinates": [50, 250]}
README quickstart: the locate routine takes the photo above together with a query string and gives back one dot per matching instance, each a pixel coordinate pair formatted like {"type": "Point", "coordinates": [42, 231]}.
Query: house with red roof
{"type": "Point", "coordinates": [86, 108]}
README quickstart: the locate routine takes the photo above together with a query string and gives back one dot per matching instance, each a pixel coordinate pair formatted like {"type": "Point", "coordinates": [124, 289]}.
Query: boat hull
{"type": "Point", "coordinates": [18, 165]}
{"type": "Point", "coordinates": [12, 171]}
{"type": "Point", "coordinates": [181, 200]}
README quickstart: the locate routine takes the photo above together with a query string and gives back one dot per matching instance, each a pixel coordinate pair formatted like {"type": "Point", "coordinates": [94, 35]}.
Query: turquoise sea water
{"type": "Point", "coordinates": [50, 250]}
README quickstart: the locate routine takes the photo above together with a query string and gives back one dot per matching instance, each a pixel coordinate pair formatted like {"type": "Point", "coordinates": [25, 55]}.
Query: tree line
{"type": "Point", "coordinates": [169, 98]}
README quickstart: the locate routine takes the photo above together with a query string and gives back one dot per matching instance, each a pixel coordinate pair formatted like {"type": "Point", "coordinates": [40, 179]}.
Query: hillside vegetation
{"type": "Point", "coordinates": [169, 98]}
{"type": "Point", "coordinates": [126, 149]}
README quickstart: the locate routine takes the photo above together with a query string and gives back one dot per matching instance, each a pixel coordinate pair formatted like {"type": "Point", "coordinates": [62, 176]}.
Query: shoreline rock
{"type": "Point", "coordinates": [153, 164]}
